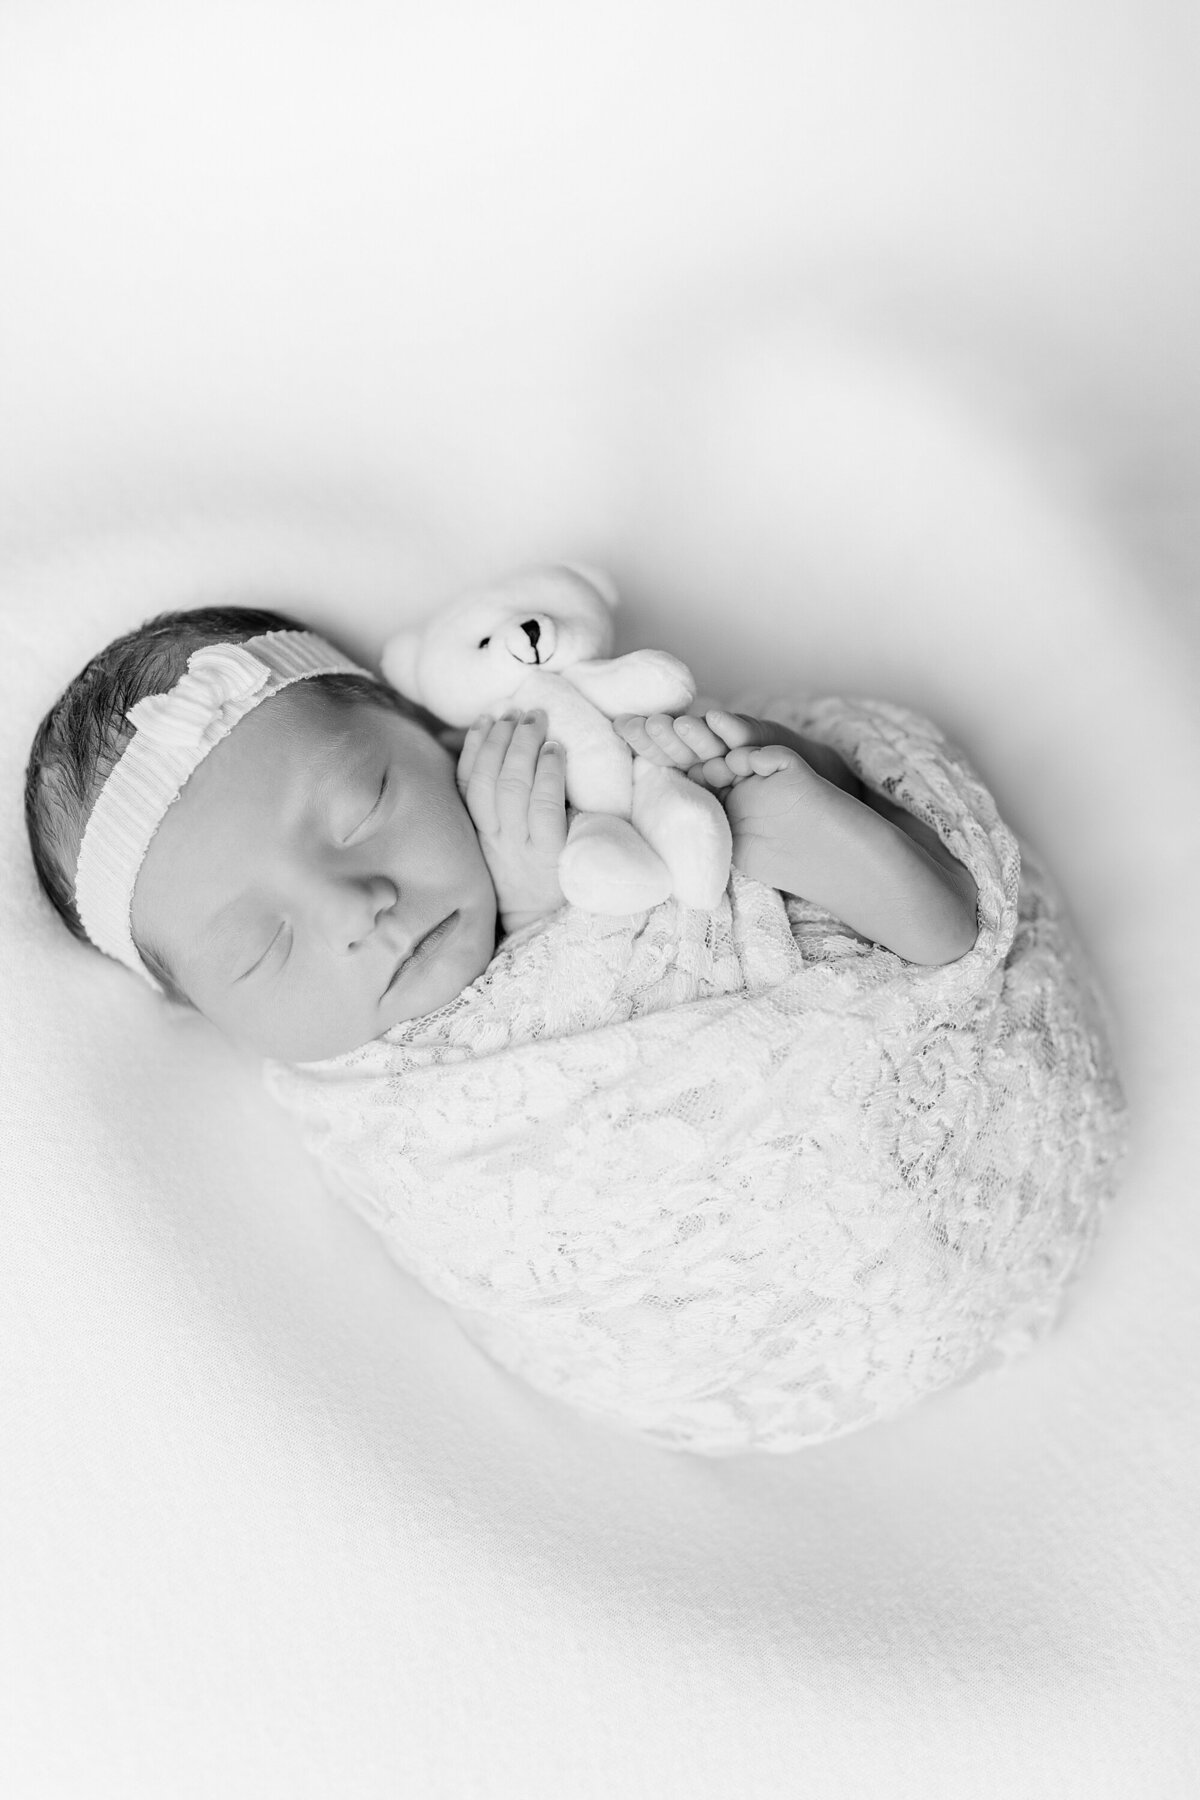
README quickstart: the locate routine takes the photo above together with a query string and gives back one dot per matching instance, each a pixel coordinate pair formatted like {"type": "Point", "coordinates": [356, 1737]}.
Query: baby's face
{"type": "Point", "coordinates": [299, 868]}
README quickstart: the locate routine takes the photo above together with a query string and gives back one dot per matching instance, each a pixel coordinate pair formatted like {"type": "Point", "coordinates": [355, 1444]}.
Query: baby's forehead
{"type": "Point", "coordinates": [311, 713]}
{"type": "Point", "coordinates": [331, 727]}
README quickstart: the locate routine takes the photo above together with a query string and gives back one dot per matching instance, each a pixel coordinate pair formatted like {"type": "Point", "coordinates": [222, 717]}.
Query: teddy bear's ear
{"type": "Point", "coordinates": [604, 584]}
{"type": "Point", "coordinates": [398, 660]}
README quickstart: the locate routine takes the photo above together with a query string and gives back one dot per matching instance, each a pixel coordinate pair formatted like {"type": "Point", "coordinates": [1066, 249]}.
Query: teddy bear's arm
{"type": "Point", "coordinates": [643, 681]}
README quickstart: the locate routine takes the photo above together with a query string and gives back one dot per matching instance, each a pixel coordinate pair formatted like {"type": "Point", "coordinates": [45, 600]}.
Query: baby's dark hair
{"type": "Point", "coordinates": [85, 732]}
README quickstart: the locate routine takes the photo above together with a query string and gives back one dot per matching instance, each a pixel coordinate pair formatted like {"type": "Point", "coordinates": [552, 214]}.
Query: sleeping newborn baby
{"type": "Point", "coordinates": [730, 1180]}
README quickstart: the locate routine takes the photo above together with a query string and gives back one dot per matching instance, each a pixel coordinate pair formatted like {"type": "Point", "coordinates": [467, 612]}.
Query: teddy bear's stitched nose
{"type": "Point", "coordinates": [534, 630]}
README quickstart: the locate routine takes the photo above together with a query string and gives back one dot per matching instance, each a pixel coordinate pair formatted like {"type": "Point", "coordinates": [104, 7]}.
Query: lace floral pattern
{"type": "Point", "coordinates": [742, 1179]}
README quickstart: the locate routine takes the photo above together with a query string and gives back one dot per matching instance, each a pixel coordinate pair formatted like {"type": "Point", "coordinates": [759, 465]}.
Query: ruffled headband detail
{"type": "Point", "coordinates": [202, 700]}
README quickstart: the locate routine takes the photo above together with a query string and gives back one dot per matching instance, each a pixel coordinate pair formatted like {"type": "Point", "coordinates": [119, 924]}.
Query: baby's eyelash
{"type": "Point", "coordinates": [263, 958]}
{"type": "Point", "coordinates": [378, 801]}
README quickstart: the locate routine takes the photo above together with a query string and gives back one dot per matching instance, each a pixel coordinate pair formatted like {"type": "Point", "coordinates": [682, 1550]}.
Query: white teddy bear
{"type": "Point", "coordinates": [541, 639]}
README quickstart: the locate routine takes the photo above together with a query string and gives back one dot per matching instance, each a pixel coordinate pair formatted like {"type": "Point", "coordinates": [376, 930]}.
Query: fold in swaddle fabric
{"type": "Point", "coordinates": [741, 1179]}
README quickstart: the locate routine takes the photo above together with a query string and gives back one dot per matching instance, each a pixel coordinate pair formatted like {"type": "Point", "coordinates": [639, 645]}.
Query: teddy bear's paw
{"type": "Point", "coordinates": [606, 867]}
{"type": "Point", "coordinates": [687, 828]}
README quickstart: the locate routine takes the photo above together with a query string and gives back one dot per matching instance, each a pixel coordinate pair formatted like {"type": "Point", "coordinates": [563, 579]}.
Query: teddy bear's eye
{"type": "Point", "coordinates": [484, 642]}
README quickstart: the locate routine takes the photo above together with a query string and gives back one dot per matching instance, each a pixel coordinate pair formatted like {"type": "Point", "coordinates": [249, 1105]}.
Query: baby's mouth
{"type": "Point", "coordinates": [422, 949]}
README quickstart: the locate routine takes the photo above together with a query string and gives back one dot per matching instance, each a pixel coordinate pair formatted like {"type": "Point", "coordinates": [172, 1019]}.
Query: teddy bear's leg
{"type": "Point", "coordinates": [605, 867]}
{"type": "Point", "coordinates": [686, 825]}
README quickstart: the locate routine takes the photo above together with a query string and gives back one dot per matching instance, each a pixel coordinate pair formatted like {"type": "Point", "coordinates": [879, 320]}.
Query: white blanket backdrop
{"type": "Point", "coordinates": [857, 344]}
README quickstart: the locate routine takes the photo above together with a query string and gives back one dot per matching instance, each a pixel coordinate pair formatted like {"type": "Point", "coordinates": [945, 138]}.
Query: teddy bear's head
{"type": "Point", "coordinates": [473, 652]}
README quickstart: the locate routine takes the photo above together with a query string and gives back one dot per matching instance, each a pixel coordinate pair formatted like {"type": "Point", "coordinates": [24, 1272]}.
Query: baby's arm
{"type": "Point", "coordinates": [834, 768]}
{"type": "Point", "coordinates": [801, 834]}
{"type": "Point", "coordinates": [803, 823]}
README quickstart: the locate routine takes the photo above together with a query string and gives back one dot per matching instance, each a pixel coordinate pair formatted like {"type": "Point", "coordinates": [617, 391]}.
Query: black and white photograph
{"type": "Point", "coordinates": [600, 731]}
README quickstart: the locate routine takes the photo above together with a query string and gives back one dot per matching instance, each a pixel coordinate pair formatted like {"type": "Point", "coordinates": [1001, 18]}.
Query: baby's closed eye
{"type": "Point", "coordinates": [376, 807]}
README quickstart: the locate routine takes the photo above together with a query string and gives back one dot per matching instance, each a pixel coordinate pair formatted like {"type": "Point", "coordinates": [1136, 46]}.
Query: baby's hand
{"type": "Point", "coordinates": [513, 784]}
{"type": "Point", "coordinates": [695, 746]}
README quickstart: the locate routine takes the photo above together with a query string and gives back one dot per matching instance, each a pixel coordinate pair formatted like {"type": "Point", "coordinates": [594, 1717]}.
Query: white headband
{"type": "Point", "coordinates": [175, 732]}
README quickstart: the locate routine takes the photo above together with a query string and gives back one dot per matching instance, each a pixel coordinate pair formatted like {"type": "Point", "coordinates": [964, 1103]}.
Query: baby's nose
{"type": "Point", "coordinates": [350, 909]}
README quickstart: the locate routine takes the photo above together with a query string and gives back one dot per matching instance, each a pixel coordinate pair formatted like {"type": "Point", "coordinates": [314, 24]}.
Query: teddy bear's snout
{"type": "Point", "coordinates": [534, 640]}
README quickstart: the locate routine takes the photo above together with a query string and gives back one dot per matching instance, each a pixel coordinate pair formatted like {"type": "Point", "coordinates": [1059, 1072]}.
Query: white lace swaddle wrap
{"type": "Point", "coordinates": [743, 1180]}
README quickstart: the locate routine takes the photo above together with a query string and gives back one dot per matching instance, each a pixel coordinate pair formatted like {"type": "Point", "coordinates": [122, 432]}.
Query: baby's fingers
{"type": "Point", "coordinates": [633, 727]}
{"type": "Point", "coordinates": [548, 799]}
{"type": "Point", "coordinates": [514, 783]}
{"type": "Point", "coordinates": [764, 759]}
{"type": "Point", "coordinates": [700, 739]}
{"type": "Point", "coordinates": [712, 773]}
{"type": "Point", "coordinates": [477, 736]}
{"type": "Point", "coordinates": [654, 736]}
{"type": "Point", "coordinates": [470, 749]}
{"type": "Point", "coordinates": [736, 730]}
{"type": "Point", "coordinates": [481, 782]}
